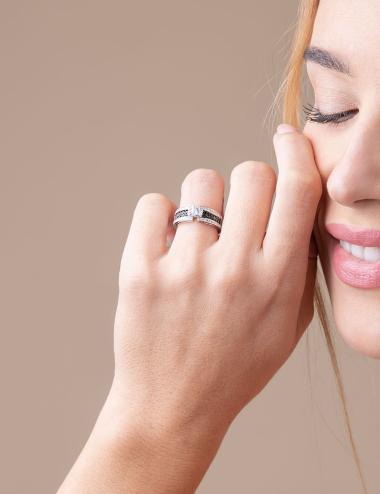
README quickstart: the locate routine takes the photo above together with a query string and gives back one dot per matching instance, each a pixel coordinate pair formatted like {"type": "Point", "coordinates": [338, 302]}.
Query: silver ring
{"type": "Point", "coordinates": [203, 214]}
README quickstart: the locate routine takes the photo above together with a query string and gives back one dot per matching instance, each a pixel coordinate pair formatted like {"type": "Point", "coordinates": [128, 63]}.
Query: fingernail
{"type": "Point", "coordinates": [284, 128]}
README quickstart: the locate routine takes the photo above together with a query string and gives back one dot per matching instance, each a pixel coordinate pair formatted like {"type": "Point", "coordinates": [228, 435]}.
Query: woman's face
{"type": "Point", "coordinates": [347, 152]}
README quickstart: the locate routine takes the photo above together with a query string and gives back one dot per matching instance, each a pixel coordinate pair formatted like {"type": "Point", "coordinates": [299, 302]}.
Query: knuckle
{"type": "Point", "coordinates": [183, 272]}
{"type": "Point", "coordinates": [231, 276]}
{"type": "Point", "coordinates": [204, 176]}
{"type": "Point", "coordinates": [306, 187]}
{"type": "Point", "coordinates": [254, 170]}
{"type": "Point", "coordinates": [135, 280]}
{"type": "Point", "coordinates": [277, 281]}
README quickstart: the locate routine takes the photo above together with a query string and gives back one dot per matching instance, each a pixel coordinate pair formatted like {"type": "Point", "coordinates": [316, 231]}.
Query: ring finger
{"type": "Point", "coordinates": [253, 184]}
{"type": "Point", "coordinates": [201, 187]}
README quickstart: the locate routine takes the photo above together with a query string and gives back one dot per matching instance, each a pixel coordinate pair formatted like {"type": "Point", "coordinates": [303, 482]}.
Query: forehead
{"type": "Point", "coordinates": [351, 30]}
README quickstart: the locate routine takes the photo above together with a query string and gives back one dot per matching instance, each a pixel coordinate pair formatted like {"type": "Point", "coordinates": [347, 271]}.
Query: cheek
{"type": "Point", "coordinates": [329, 146]}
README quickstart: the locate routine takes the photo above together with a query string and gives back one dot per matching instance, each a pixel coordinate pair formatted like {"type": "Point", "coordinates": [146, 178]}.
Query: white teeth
{"type": "Point", "coordinates": [372, 254]}
{"type": "Point", "coordinates": [357, 251]}
{"type": "Point", "coordinates": [364, 253]}
{"type": "Point", "coordinates": [346, 246]}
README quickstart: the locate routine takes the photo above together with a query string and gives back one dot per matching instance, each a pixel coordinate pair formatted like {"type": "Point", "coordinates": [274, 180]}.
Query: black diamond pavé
{"type": "Point", "coordinates": [210, 216]}
{"type": "Point", "coordinates": [201, 213]}
{"type": "Point", "coordinates": [181, 213]}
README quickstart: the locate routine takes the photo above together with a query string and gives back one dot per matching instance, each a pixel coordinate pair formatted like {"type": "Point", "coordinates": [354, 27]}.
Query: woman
{"type": "Point", "coordinates": [203, 325]}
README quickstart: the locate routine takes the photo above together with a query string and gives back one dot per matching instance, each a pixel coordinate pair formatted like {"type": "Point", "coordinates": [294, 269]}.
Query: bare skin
{"type": "Point", "coordinates": [347, 153]}
{"type": "Point", "coordinates": [203, 325]}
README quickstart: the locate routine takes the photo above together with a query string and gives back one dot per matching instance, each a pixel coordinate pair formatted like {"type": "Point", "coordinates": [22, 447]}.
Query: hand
{"type": "Point", "coordinates": [203, 325]}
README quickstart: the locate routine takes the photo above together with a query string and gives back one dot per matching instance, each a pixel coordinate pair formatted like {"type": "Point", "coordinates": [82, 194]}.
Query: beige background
{"type": "Point", "coordinates": [101, 103]}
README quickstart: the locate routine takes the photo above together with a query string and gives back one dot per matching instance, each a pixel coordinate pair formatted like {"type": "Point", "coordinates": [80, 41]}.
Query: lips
{"type": "Point", "coordinates": [367, 237]}
{"type": "Point", "coordinates": [349, 269]}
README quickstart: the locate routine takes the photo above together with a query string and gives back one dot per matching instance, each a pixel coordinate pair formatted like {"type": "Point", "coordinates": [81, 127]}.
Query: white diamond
{"type": "Point", "coordinates": [195, 212]}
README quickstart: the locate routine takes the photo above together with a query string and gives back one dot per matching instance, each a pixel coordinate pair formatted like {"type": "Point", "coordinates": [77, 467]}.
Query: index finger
{"type": "Point", "coordinates": [298, 192]}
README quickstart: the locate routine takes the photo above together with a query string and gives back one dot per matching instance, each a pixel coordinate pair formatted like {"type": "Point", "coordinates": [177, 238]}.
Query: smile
{"type": "Point", "coordinates": [371, 254]}
{"type": "Point", "coordinates": [355, 255]}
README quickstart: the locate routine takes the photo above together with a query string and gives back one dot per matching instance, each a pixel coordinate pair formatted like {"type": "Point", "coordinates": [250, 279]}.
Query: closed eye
{"type": "Point", "coordinates": [313, 114]}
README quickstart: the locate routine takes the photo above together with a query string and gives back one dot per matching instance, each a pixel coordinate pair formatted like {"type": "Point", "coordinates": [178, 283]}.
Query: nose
{"type": "Point", "coordinates": [357, 175]}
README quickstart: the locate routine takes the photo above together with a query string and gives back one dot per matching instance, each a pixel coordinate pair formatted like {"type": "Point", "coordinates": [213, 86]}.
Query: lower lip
{"type": "Point", "coordinates": [353, 271]}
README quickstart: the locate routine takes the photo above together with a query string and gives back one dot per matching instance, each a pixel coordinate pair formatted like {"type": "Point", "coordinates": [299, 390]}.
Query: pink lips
{"type": "Point", "coordinates": [349, 269]}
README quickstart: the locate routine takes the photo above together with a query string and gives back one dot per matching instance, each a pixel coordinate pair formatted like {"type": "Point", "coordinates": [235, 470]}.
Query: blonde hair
{"type": "Point", "coordinates": [291, 94]}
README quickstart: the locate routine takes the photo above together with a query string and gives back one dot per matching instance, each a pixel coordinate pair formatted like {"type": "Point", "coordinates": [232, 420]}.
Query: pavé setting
{"type": "Point", "coordinates": [203, 214]}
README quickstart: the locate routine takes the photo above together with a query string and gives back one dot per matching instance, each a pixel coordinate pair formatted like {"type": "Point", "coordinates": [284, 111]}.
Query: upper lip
{"type": "Point", "coordinates": [366, 237]}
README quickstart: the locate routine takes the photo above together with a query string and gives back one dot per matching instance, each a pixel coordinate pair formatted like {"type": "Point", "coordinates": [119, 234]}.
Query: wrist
{"type": "Point", "coordinates": [125, 423]}
{"type": "Point", "coordinates": [163, 457]}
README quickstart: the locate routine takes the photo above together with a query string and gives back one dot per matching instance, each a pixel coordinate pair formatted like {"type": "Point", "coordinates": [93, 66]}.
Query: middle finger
{"type": "Point", "coordinates": [253, 184]}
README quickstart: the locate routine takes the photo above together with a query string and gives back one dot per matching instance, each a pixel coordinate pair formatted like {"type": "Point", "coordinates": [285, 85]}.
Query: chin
{"type": "Point", "coordinates": [358, 320]}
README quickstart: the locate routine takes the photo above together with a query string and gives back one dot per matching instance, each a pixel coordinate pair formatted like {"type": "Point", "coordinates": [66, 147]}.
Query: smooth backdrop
{"type": "Point", "coordinates": [102, 102]}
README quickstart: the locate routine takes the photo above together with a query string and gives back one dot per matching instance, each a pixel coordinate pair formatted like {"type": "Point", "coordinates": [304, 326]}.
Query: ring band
{"type": "Point", "coordinates": [206, 215]}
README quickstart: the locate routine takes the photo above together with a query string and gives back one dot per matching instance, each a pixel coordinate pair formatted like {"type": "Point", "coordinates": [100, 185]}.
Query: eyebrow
{"type": "Point", "coordinates": [326, 59]}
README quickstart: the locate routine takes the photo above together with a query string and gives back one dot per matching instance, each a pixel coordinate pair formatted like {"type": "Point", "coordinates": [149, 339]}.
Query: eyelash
{"type": "Point", "coordinates": [313, 114]}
